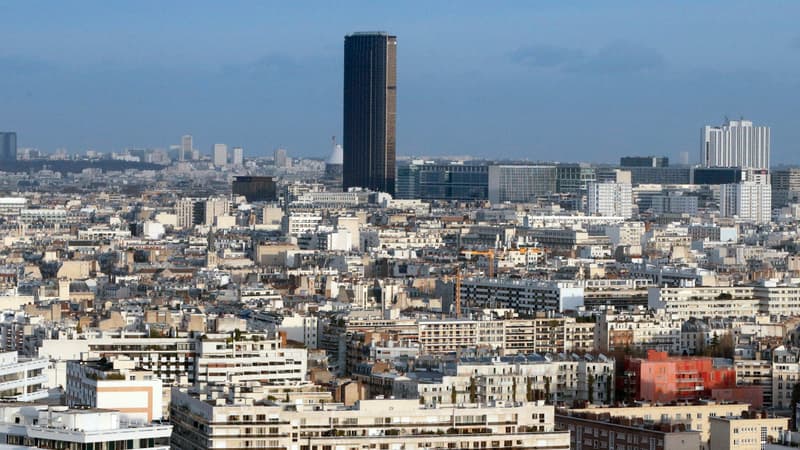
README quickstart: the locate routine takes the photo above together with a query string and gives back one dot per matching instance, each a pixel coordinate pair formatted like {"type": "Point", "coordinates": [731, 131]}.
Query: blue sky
{"type": "Point", "coordinates": [565, 81]}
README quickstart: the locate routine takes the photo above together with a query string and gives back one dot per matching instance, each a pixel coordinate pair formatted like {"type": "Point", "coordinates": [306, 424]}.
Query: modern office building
{"type": "Point", "coordinates": [660, 175]}
{"type": "Point", "coordinates": [255, 189]}
{"type": "Point", "coordinates": [8, 146]}
{"type": "Point", "coordinates": [428, 180]}
{"type": "Point", "coordinates": [717, 175]}
{"type": "Point", "coordinates": [370, 104]}
{"type": "Point", "coordinates": [609, 199]}
{"type": "Point", "coordinates": [785, 186]}
{"type": "Point", "coordinates": [644, 161]}
{"type": "Point", "coordinates": [737, 143]}
{"type": "Point", "coordinates": [220, 155]}
{"type": "Point", "coordinates": [520, 183]}
{"type": "Point", "coordinates": [573, 178]}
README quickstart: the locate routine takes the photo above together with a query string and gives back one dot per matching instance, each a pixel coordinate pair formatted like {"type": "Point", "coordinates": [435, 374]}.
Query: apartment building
{"type": "Point", "coordinates": [695, 416]}
{"type": "Point", "coordinates": [22, 379]}
{"type": "Point", "coordinates": [638, 329]}
{"type": "Point", "coordinates": [564, 378]}
{"type": "Point", "coordinates": [526, 296]}
{"type": "Point", "coordinates": [749, 432]}
{"type": "Point", "coordinates": [224, 359]}
{"type": "Point", "coordinates": [25, 425]}
{"type": "Point", "coordinates": [384, 424]}
{"type": "Point", "coordinates": [171, 359]}
{"type": "Point", "coordinates": [547, 335]}
{"type": "Point", "coordinates": [136, 394]}
{"type": "Point", "coordinates": [589, 431]}
{"type": "Point", "coordinates": [757, 373]}
{"type": "Point", "coordinates": [661, 378]}
{"type": "Point", "coordinates": [450, 335]}
{"type": "Point", "coordinates": [736, 301]}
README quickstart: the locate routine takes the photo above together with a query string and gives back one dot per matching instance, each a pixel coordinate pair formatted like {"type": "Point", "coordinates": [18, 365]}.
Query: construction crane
{"type": "Point", "coordinates": [489, 254]}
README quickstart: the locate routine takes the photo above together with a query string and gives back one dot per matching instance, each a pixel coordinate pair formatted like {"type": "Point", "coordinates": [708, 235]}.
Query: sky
{"type": "Point", "coordinates": [541, 81]}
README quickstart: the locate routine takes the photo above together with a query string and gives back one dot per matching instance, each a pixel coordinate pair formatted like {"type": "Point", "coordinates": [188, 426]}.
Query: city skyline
{"type": "Point", "coordinates": [515, 77]}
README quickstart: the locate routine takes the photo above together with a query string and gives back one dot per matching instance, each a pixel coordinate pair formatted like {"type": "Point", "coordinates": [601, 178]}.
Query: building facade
{"type": "Point", "coordinates": [610, 199]}
{"type": "Point", "coordinates": [520, 183]}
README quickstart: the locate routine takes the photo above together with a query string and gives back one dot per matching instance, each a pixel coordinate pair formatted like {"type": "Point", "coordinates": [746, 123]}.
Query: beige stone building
{"type": "Point", "coordinates": [750, 432]}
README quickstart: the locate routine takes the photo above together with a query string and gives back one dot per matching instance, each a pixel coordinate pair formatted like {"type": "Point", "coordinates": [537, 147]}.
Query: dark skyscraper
{"type": "Point", "coordinates": [370, 103]}
{"type": "Point", "coordinates": [8, 146]}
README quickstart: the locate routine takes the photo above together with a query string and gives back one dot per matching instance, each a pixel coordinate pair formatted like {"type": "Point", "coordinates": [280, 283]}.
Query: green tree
{"type": "Point", "coordinates": [473, 390]}
{"type": "Point", "coordinates": [547, 389]}
{"type": "Point", "coordinates": [514, 389]}
{"type": "Point", "coordinates": [453, 395]}
{"type": "Point", "coordinates": [793, 405]}
{"type": "Point", "coordinates": [590, 387]}
{"type": "Point", "coordinates": [529, 390]}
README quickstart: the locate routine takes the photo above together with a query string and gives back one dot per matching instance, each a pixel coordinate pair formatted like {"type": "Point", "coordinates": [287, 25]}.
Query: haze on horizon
{"type": "Point", "coordinates": [524, 80]}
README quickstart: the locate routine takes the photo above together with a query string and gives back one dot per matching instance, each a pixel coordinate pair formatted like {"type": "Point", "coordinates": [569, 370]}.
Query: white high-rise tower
{"type": "Point", "coordinates": [220, 155]}
{"type": "Point", "coordinates": [736, 144]}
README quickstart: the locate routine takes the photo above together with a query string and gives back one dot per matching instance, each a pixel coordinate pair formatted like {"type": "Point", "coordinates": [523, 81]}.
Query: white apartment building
{"type": "Point", "coordinates": [251, 358]}
{"type": "Point", "coordinates": [220, 155]}
{"type": "Point", "coordinates": [449, 335]}
{"type": "Point", "coordinates": [296, 223]}
{"type": "Point", "coordinates": [214, 208]}
{"type": "Point", "coordinates": [385, 424]}
{"type": "Point", "coordinates": [136, 394]}
{"type": "Point", "coordinates": [301, 328]}
{"type": "Point", "coordinates": [526, 296]}
{"type": "Point", "coordinates": [736, 301]}
{"type": "Point", "coordinates": [237, 158]}
{"type": "Point", "coordinates": [609, 199]}
{"type": "Point", "coordinates": [171, 359]}
{"type": "Point", "coordinates": [28, 426]}
{"type": "Point", "coordinates": [184, 210]}
{"type": "Point", "coordinates": [737, 143]}
{"type": "Point", "coordinates": [749, 201]}
{"type": "Point", "coordinates": [22, 379]}
{"type": "Point", "coordinates": [625, 234]}
{"type": "Point", "coordinates": [639, 329]}
{"type": "Point", "coordinates": [517, 378]}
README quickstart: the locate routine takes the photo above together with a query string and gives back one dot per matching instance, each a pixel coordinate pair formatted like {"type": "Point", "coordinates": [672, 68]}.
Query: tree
{"type": "Point", "coordinates": [473, 390]}
{"type": "Point", "coordinates": [608, 388]}
{"type": "Point", "coordinates": [514, 389]}
{"type": "Point", "coordinates": [453, 395]}
{"type": "Point", "coordinates": [793, 405]}
{"type": "Point", "coordinates": [590, 387]}
{"type": "Point", "coordinates": [529, 390]}
{"type": "Point", "coordinates": [547, 389]}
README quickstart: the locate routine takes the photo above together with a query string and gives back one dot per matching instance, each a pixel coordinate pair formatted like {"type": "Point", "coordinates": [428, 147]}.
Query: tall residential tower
{"type": "Point", "coordinates": [737, 143]}
{"type": "Point", "coordinates": [370, 103]}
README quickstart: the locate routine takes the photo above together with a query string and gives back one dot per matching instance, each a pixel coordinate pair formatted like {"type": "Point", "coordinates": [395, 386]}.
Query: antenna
{"type": "Point", "coordinates": [333, 139]}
